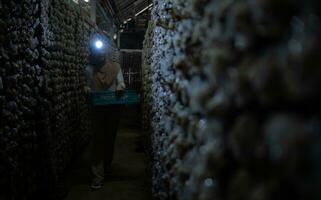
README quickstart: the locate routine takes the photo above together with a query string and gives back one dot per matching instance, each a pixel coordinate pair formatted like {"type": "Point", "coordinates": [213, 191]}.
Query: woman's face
{"type": "Point", "coordinates": [98, 59]}
{"type": "Point", "coordinates": [101, 56]}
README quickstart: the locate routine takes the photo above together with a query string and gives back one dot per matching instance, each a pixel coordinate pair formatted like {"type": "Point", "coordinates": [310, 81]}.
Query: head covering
{"type": "Point", "coordinates": [98, 57]}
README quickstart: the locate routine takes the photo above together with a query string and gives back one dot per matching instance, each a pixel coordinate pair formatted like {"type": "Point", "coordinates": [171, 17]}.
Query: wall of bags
{"type": "Point", "coordinates": [43, 120]}
{"type": "Point", "coordinates": [146, 95]}
{"type": "Point", "coordinates": [234, 90]}
{"type": "Point", "coordinates": [69, 36]}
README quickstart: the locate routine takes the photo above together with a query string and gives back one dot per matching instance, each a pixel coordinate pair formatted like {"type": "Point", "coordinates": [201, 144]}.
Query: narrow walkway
{"type": "Point", "coordinates": [129, 179]}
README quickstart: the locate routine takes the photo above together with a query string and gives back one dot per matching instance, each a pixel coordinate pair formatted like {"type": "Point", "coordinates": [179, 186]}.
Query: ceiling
{"type": "Point", "coordinates": [122, 10]}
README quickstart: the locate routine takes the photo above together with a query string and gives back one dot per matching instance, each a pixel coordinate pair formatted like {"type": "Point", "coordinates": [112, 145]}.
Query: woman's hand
{"type": "Point", "coordinates": [86, 89]}
{"type": "Point", "coordinates": [119, 94]}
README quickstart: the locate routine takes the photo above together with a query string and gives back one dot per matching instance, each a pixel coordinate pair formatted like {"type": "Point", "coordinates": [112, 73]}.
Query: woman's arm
{"type": "Point", "coordinates": [120, 83]}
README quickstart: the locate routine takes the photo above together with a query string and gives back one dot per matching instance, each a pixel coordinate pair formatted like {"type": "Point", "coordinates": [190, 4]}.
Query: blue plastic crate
{"type": "Point", "coordinates": [109, 98]}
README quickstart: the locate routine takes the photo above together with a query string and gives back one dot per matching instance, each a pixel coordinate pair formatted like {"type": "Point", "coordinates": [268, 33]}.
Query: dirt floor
{"type": "Point", "coordinates": [130, 175]}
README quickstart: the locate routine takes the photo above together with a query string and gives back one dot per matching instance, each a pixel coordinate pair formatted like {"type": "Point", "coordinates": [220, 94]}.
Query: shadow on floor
{"type": "Point", "coordinates": [129, 179]}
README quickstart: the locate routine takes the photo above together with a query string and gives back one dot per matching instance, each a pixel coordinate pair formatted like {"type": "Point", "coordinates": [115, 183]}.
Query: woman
{"type": "Point", "coordinates": [103, 75]}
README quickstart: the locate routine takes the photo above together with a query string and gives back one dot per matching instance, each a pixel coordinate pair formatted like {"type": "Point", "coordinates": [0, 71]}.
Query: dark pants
{"type": "Point", "coordinates": [105, 121]}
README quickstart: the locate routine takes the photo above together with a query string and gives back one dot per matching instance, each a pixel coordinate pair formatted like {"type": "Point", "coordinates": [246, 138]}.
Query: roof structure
{"type": "Point", "coordinates": [123, 11]}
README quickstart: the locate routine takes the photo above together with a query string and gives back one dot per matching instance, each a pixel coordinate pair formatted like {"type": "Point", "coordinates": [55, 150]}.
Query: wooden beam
{"type": "Point", "coordinates": [125, 12]}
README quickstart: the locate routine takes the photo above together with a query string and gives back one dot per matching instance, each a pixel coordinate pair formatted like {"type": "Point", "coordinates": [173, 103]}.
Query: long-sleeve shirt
{"type": "Point", "coordinates": [119, 83]}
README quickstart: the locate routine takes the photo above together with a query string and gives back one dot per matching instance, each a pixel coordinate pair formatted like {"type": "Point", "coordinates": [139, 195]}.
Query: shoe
{"type": "Point", "coordinates": [96, 184]}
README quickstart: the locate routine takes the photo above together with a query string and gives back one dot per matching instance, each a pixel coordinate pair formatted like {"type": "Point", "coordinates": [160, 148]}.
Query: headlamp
{"type": "Point", "coordinates": [99, 44]}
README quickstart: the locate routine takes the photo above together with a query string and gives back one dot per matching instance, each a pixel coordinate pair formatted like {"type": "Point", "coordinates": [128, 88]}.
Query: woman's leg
{"type": "Point", "coordinates": [111, 125]}
{"type": "Point", "coordinates": [98, 121]}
